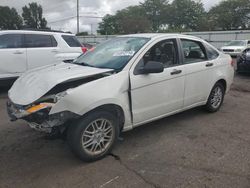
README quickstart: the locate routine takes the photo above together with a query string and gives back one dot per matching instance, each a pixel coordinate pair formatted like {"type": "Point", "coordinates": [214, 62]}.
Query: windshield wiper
{"type": "Point", "coordinates": [85, 64]}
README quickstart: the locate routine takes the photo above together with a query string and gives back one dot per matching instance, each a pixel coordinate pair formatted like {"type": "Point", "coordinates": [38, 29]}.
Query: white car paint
{"type": "Point", "coordinates": [37, 82]}
{"type": "Point", "coordinates": [153, 96]}
{"type": "Point", "coordinates": [15, 61]}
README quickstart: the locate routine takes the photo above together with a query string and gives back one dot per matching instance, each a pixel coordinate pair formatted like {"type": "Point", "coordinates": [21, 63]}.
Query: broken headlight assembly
{"type": "Point", "coordinates": [46, 105]}
{"type": "Point", "coordinates": [59, 96]}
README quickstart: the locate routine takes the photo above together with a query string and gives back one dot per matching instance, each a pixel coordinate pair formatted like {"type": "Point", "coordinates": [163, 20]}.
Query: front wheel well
{"type": "Point", "coordinates": [114, 109]}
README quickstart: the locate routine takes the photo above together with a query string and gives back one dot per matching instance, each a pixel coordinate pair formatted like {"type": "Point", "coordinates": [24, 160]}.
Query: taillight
{"type": "Point", "coordinates": [84, 49]}
{"type": "Point", "coordinates": [232, 63]}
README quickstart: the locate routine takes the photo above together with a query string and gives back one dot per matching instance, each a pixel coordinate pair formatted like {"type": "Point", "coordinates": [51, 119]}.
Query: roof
{"type": "Point", "coordinates": [34, 32]}
{"type": "Point", "coordinates": [159, 35]}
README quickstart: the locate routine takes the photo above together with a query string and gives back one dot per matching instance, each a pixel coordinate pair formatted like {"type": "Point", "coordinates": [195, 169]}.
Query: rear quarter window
{"type": "Point", "coordinates": [71, 41]}
{"type": "Point", "coordinates": [211, 53]}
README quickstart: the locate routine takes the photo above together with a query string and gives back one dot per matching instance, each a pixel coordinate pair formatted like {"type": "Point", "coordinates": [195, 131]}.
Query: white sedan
{"type": "Point", "coordinates": [121, 84]}
{"type": "Point", "coordinates": [235, 47]}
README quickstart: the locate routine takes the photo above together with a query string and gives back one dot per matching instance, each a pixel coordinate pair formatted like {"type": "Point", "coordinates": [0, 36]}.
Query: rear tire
{"type": "Point", "coordinates": [216, 98]}
{"type": "Point", "coordinates": [93, 136]}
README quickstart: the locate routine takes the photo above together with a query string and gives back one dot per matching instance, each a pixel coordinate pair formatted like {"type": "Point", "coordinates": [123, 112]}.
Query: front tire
{"type": "Point", "coordinates": [216, 98]}
{"type": "Point", "coordinates": [93, 136]}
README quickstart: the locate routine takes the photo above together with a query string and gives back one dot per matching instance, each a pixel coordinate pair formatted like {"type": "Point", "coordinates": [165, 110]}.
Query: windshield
{"type": "Point", "coordinates": [113, 54]}
{"type": "Point", "coordinates": [237, 43]}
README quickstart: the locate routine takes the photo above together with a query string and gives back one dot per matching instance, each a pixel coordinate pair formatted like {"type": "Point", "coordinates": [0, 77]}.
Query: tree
{"type": "Point", "coordinates": [33, 16]}
{"type": "Point", "coordinates": [9, 18]}
{"type": "Point", "coordinates": [132, 19]}
{"type": "Point", "coordinates": [230, 14]}
{"type": "Point", "coordinates": [109, 25]}
{"type": "Point", "coordinates": [187, 15]}
{"type": "Point", "coordinates": [156, 11]}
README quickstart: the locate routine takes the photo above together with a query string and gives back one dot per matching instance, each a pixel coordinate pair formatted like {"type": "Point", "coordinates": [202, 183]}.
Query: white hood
{"type": "Point", "coordinates": [36, 83]}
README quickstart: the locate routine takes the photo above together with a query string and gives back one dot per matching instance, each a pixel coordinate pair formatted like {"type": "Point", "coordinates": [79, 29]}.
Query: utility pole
{"type": "Point", "coordinates": [77, 16]}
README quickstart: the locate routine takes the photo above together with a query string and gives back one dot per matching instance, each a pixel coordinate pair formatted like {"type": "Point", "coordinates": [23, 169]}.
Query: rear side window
{"type": "Point", "coordinates": [39, 41]}
{"type": "Point", "coordinates": [11, 41]}
{"type": "Point", "coordinates": [71, 41]}
{"type": "Point", "coordinates": [211, 53]}
{"type": "Point", "coordinates": [193, 51]}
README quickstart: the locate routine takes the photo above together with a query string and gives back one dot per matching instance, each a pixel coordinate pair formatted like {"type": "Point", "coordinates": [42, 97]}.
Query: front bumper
{"type": "Point", "coordinates": [40, 120]}
{"type": "Point", "coordinates": [232, 53]}
{"type": "Point", "coordinates": [15, 111]}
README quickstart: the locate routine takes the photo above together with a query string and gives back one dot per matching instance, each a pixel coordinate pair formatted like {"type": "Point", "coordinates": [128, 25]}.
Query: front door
{"type": "Point", "coordinates": [158, 94]}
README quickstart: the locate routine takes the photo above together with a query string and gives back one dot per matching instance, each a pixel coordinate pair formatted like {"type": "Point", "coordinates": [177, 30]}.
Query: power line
{"type": "Point", "coordinates": [64, 19]}
{"type": "Point", "coordinates": [71, 17]}
{"type": "Point", "coordinates": [91, 16]}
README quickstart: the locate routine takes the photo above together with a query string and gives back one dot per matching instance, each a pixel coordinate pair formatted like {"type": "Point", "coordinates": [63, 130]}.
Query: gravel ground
{"type": "Point", "coordinates": [191, 149]}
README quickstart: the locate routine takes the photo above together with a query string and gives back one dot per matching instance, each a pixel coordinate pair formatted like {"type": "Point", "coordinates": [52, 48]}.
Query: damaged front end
{"type": "Point", "coordinates": [34, 94]}
{"type": "Point", "coordinates": [38, 116]}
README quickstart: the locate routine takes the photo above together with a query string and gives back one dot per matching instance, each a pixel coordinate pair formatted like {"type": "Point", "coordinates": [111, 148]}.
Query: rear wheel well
{"type": "Point", "coordinates": [223, 82]}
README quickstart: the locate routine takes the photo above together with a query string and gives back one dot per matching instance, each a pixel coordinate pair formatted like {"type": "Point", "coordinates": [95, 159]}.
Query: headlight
{"type": "Point", "coordinates": [59, 96]}
{"type": "Point", "coordinates": [39, 107]}
{"type": "Point", "coordinates": [238, 50]}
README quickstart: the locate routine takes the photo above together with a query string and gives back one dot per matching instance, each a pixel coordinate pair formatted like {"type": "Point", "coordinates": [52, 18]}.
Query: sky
{"type": "Point", "coordinates": [59, 12]}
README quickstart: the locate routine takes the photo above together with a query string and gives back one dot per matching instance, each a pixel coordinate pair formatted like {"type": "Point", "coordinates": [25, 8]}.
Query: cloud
{"type": "Point", "coordinates": [61, 14]}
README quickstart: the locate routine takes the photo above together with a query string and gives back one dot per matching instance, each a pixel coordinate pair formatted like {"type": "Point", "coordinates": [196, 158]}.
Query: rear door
{"type": "Point", "coordinates": [41, 50]}
{"type": "Point", "coordinates": [199, 72]}
{"type": "Point", "coordinates": [156, 95]}
{"type": "Point", "coordinates": [13, 55]}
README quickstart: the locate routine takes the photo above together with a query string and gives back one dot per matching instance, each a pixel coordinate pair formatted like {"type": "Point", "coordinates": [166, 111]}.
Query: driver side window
{"type": "Point", "coordinates": [164, 52]}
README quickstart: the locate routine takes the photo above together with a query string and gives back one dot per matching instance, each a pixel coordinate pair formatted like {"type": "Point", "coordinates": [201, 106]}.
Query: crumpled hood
{"type": "Point", "coordinates": [36, 83]}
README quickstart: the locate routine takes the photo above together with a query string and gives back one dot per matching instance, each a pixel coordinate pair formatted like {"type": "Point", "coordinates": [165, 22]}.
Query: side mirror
{"type": "Point", "coordinates": [152, 67]}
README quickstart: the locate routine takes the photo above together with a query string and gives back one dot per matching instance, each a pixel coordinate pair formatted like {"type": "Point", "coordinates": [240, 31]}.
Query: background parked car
{"type": "Point", "coordinates": [23, 50]}
{"type": "Point", "coordinates": [243, 61]}
{"type": "Point", "coordinates": [235, 47]}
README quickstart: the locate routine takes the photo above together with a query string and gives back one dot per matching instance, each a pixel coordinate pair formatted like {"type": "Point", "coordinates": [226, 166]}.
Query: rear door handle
{"type": "Point", "coordinates": [176, 72]}
{"type": "Point", "coordinates": [18, 52]}
{"type": "Point", "coordinates": [54, 51]}
{"type": "Point", "coordinates": [209, 64]}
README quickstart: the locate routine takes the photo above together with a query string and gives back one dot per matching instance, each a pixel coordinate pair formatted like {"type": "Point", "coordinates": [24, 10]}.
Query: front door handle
{"type": "Point", "coordinates": [176, 72]}
{"type": "Point", "coordinates": [18, 52]}
{"type": "Point", "coordinates": [209, 64]}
